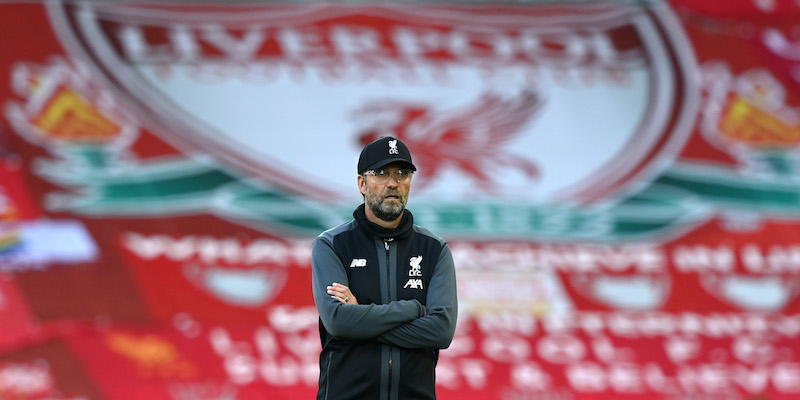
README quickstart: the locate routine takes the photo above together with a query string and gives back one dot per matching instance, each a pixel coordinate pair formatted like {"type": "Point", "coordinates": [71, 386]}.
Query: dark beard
{"type": "Point", "coordinates": [387, 213]}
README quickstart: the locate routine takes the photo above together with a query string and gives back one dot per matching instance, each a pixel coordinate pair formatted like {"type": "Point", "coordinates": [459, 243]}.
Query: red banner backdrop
{"type": "Point", "coordinates": [619, 184]}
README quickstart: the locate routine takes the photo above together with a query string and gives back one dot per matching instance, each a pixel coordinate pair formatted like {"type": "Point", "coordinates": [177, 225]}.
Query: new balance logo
{"type": "Point", "coordinates": [413, 284]}
{"type": "Point", "coordinates": [358, 263]}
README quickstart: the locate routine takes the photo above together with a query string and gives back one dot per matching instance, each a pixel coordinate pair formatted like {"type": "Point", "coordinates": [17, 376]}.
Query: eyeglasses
{"type": "Point", "coordinates": [402, 175]}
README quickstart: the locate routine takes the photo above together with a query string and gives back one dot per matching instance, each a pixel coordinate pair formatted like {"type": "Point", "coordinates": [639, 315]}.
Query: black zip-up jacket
{"type": "Point", "coordinates": [387, 346]}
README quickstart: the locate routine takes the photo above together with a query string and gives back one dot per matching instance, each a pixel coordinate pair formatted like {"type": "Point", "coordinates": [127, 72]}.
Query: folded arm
{"type": "Point", "coordinates": [436, 329]}
{"type": "Point", "coordinates": [359, 321]}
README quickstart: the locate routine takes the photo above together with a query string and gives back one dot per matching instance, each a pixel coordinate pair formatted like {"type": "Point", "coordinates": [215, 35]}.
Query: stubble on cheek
{"type": "Point", "coordinates": [383, 210]}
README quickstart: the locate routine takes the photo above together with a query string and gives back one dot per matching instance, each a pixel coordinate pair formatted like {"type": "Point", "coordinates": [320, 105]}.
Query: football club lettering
{"type": "Point", "coordinates": [415, 267]}
{"type": "Point", "coordinates": [415, 270]}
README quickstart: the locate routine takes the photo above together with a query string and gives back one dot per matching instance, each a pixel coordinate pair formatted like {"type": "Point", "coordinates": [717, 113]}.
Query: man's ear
{"type": "Point", "coordinates": [362, 185]}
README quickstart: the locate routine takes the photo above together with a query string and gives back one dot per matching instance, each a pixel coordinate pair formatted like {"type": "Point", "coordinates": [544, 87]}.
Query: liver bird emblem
{"type": "Point", "coordinates": [470, 138]}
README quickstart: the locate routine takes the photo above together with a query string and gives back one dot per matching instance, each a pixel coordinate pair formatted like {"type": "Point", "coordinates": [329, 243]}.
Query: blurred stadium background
{"type": "Point", "coordinates": [619, 183]}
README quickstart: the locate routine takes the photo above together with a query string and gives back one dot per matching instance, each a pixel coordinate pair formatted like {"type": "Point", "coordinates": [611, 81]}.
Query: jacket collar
{"type": "Point", "coordinates": [402, 230]}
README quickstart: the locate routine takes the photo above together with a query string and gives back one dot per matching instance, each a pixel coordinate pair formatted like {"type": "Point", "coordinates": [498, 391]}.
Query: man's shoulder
{"type": "Point", "coordinates": [419, 230]}
{"type": "Point", "coordinates": [331, 233]}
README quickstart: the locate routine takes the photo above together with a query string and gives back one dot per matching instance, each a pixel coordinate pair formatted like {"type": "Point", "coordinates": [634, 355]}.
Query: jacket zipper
{"type": "Point", "coordinates": [389, 296]}
{"type": "Point", "coordinates": [388, 269]}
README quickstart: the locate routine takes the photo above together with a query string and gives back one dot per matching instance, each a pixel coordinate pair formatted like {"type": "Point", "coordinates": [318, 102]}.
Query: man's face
{"type": "Point", "coordinates": [386, 200]}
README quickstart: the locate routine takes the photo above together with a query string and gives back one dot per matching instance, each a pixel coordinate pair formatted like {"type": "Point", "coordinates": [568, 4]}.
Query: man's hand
{"type": "Point", "coordinates": [342, 293]}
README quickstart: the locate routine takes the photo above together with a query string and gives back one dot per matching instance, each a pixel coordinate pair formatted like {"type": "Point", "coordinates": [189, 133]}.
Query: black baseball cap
{"type": "Point", "coordinates": [384, 151]}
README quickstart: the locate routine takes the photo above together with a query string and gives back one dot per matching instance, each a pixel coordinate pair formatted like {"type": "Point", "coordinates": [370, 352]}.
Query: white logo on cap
{"type": "Point", "coordinates": [393, 147]}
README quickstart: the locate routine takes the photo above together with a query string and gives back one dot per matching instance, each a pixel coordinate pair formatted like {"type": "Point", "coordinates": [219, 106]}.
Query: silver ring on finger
{"type": "Point", "coordinates": [346, 298]}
